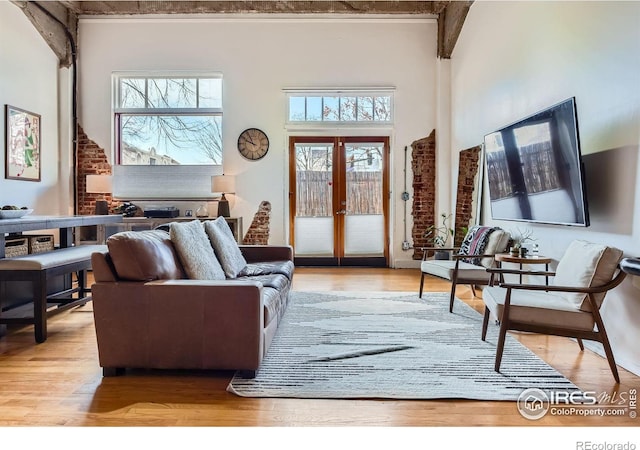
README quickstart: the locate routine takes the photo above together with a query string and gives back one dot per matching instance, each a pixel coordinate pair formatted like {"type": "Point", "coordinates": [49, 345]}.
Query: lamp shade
{"type": "Point", "coordinates": [225, 184]}
{"type": "Point", "coordinates": [98, 184]}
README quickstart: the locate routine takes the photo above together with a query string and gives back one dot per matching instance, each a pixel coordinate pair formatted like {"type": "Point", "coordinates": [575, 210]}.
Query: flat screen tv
{"type": "Point", "coordinates": [535, 170]}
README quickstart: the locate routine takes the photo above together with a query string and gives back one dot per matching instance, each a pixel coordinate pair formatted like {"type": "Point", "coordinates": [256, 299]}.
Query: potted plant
{"type": "Point", "coordinates": [440, 235]}
{"type": "Point", "coordinates": [517, 242]}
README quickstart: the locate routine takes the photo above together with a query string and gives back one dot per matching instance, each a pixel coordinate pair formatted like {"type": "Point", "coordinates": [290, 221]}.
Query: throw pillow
{"type": "Point", "coordinates": [144, 256]}
{"type": "Point", "coordinates": [585, 264]}
{"type": "Point", "coordinates": [475, 242]}
{"type": "Point", "coordinates": [225, 247]}
{"type": "Point", "coordinates": [195, 252]}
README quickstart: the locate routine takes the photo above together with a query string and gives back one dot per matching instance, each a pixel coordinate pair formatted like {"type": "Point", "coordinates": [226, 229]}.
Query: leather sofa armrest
{"type": "Point", "coordinates": [102, 267]}
{"type": "Point", "coordinates": [262, 253]}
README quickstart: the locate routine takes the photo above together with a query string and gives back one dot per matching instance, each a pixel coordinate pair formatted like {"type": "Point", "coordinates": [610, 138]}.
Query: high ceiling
{"type": "Point", "coordinates": [57, 20]}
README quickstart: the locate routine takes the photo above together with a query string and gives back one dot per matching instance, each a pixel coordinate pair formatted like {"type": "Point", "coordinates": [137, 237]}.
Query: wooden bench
{"type": "Point", "coordinates": [37, 269]}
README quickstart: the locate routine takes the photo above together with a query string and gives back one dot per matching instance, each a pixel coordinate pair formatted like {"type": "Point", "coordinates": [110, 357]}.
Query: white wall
{"type": "Point", "coordinates": [515, 58]}
{"type": "Point", "coordinates": [29, 80]}
{"type": "Point", "coordinates": [258, 57]}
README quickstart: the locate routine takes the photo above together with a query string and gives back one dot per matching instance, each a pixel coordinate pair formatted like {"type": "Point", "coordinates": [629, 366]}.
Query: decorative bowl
{"type": "Point", "coordinates": [14, 213]}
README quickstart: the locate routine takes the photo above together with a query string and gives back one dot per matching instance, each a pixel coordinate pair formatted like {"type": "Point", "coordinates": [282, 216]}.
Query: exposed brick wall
{"type": "Point", "coordinates": [92, 160]}
{"type": "Point", "coordinates": [258, 232]}
{"type": "Point", "coordinates": [467, 171]}
{"type": "Point", "coordinates": [423, 165]}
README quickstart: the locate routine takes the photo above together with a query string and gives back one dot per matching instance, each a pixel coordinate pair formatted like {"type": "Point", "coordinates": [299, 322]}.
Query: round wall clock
{"type": "Point", "coordinates": [253, 144]}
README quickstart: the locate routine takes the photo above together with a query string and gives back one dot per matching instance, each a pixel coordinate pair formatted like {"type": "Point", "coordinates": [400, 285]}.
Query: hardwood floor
{"type": "Point", "coordinates": [59, 382]}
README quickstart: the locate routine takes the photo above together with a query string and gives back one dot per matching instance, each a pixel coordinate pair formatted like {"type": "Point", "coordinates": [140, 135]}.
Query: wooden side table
{"type": "Point", "coordinates": [508, 257]}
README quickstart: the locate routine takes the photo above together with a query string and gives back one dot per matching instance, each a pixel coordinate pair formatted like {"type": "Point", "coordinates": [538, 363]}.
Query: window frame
{"type": "Point", "coordinates": [118, 111]}
{"type": "Point", "coordinates": [339, 94]}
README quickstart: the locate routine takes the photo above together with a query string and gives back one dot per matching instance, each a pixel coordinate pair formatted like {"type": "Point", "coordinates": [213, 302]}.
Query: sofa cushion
{"type": "Point", "coordinates": [276, 281]}
{"type": "Point", "coordinates": [225, 247]}
{"type": "Point", "coordinates": [285, 268]}
{"type": "Point", "coordinates": [586, 264]}
{"type": "Point", "coordinates": [195, 251]}
{"type": "Point", "coordinates": [144, 256]}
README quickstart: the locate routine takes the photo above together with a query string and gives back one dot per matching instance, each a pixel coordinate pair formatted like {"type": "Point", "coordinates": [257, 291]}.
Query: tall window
{"type": "Point", "coordinates": [372, 107]}
{"type": "Point", "coordinates": [168, 119]}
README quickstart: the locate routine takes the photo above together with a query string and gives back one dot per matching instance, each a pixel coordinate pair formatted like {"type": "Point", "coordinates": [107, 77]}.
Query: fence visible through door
{"type": "Point", "coordinates": [339, 200]}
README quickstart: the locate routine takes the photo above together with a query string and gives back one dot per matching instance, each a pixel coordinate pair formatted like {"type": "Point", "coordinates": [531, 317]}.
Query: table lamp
{"type": "Point", "coordinates": [224, 184]}
{"type": "Point", "coordinates": [99, 184]}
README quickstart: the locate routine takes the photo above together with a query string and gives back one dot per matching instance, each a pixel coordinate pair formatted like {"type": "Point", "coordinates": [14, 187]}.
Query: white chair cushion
{"type": "Point", "coordinates": [586, 264]}
{"type": "Point", "coordinates": [498, 241]}
{"type": "Point", "coordinates": [537, 307]}
{"type": "Point", "coordinates": [444, 269]}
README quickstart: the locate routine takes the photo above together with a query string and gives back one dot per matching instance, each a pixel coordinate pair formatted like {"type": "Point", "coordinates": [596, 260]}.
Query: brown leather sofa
{"type": "Point", "coordinates": [148, 315]}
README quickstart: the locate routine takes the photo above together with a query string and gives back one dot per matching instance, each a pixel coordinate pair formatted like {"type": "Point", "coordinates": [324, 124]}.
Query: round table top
{"type": "Point", "coordinates": [529, 259]}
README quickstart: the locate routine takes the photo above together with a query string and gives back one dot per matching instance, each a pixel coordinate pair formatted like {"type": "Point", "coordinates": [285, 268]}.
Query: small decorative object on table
{"type": "Point", "coordinates": [126, 209]}
{"type": "Point", "coordinates": [518, 239]}
{"type": "Point", "coordinates": [535, 250]}
{"type": "Point", "coordinates": [13, 212]}
{"type": "Point", "coordinates": [202, 211]}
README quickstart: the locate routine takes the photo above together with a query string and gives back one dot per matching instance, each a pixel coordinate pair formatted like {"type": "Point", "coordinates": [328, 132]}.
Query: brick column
{"type": "Point", "coordinates": [92, 160]}
{"type": "Point", "coordinates": [258, 232]}
{"type": "Point", "coordinates": [423, 165]}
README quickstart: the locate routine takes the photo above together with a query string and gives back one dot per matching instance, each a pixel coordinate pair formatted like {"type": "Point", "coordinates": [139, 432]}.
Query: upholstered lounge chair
{"type": "Point", "coordinates": [569, 307]}
{"type": "Point", "coordinates": [469, 265]}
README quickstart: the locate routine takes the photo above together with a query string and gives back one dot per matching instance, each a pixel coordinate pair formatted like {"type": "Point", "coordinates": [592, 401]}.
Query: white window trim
{"type": "Point", "coordinates": [145, 186]}
{"type": "Point", "coordinates": [339, 92]}
{"type": "Point", "coordinates": [115, 90]}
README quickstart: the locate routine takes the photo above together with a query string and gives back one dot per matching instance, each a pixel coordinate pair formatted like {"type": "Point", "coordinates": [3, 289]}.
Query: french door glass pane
{"type": "Point", "coordinates": [364, 221]}
{"type": "Point", "coordinates": [314, 192]}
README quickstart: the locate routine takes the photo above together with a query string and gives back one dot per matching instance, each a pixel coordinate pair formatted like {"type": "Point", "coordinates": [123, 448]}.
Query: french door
{"type": "Point", "coordinates": [339, 200]}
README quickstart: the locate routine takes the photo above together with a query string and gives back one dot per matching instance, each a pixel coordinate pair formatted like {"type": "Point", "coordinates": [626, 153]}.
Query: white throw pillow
{"type": "Point", "coordinates": [586, 264]}
{"type": "Point", "coordinates": [225, 247]}
{"type": "Point", "coordinates": [195, 252]}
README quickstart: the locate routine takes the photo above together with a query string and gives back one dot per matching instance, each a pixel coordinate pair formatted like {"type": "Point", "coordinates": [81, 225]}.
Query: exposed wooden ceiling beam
{"type": "Point", "coordinates": [57, 25]}
{"type": "Point", "coordinates": [274, 6]}
{"type": "Point", "coordinates": [450, 22]}
{"type": "Point", "coordinates": [450, 14]}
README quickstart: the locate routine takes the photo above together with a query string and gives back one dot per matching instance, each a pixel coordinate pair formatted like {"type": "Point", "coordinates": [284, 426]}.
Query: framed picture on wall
{"type": "Point", "coordinates": [22, 152]}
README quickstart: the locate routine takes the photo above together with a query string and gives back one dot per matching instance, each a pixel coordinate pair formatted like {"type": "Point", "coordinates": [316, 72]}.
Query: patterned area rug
{"type": "Point", "coordinates": [391, 345]}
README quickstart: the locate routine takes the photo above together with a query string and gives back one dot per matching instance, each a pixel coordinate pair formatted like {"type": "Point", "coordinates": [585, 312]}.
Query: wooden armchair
{"type": "Point", "coordinates": [569, 307]}
{"type": "Point", "coordinates": [469, 265]}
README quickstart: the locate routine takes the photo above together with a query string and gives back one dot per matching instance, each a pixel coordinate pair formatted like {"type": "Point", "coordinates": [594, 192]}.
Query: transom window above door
{"type": "Point", "coordinates": [168, 119]}
{"type": "Point", "coordinates": [373, 106]}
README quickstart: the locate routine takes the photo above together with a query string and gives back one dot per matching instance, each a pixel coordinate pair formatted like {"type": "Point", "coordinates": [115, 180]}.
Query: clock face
{"type": "Point", "coordinates": [253, 144]}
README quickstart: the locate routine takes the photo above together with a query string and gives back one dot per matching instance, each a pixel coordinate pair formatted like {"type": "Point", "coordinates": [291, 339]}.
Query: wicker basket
{"type": "Point", "coordinates": [40, 243]}
{"type": "Point", "coordinates": [16, 247]}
